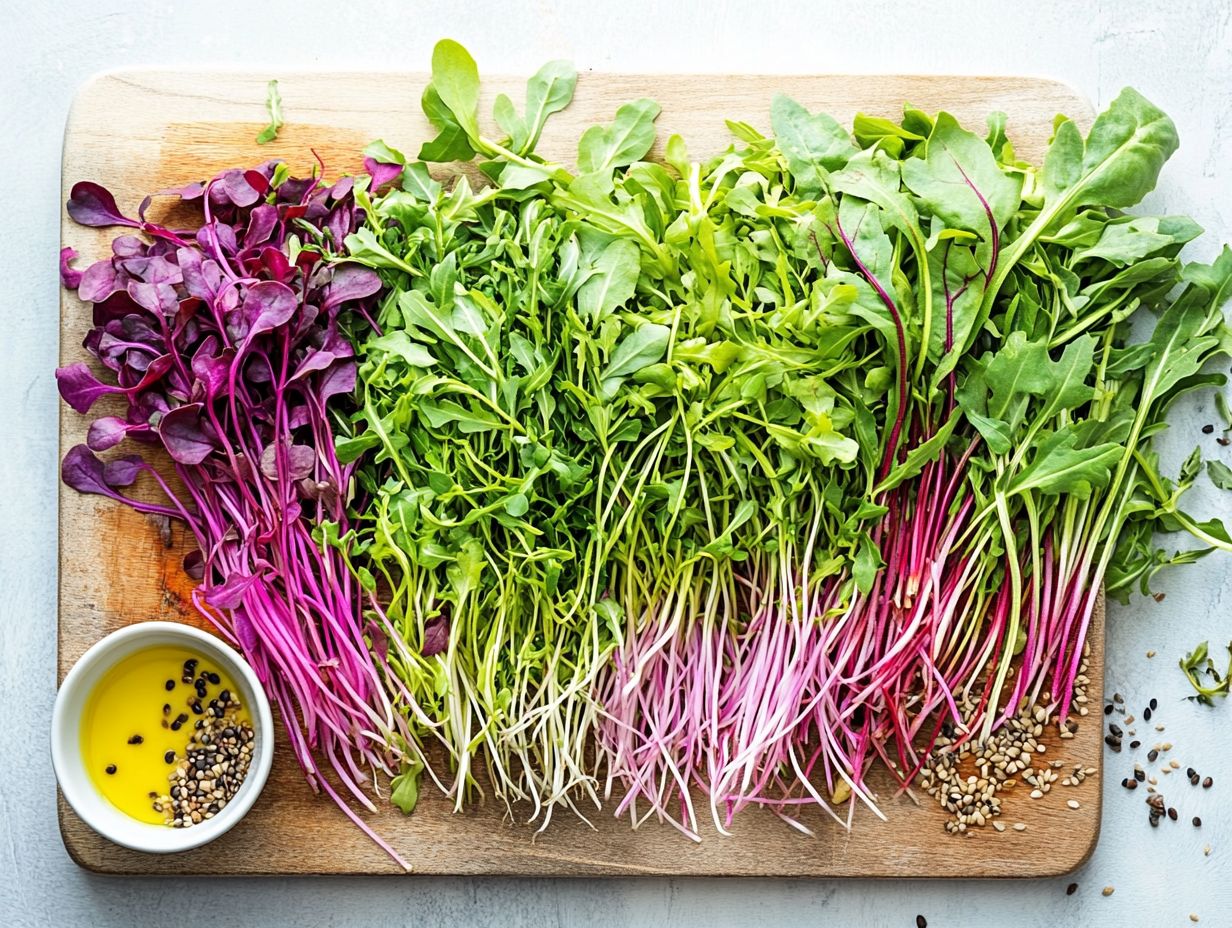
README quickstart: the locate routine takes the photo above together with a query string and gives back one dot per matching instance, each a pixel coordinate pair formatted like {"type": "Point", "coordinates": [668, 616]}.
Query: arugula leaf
{"type": "Point", "coordinates": [814, 145]}
{"type": "Point", "coordinates": [1220, 474]}
{"type": "Point", "coordinates": [627, 140]}
{"type": "Point", "coordinates": [273, 106]}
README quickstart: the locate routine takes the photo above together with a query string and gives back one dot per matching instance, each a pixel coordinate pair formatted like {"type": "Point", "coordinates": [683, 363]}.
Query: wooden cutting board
{"type": "Point", "coordinates": [139, 131]}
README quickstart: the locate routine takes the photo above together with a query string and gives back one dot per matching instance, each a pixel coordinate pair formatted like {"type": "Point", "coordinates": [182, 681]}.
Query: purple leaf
{"type": "Point", "coordinates": [106, 432]}
{"type": "Point", "coordinates": [121, 472]}
{"type": "Point", "coordinates": [80, 388]}
{"type": "Point", "coordinates": [182, 434]}
{"type": "Point", "coordinates": [92, 205]}
{"type": "Point", "coordinates": [194, 565]}
{"type": "Point", "coordinates": [261, 222]}
{"type": "Point", "coordinates": [128, 246]}
{"type": "Point", "coordinates": [436, 636]}
{"type": "Point", "coordinates": [230, 593]}
{"type": "Point", "coordinates": [337, 380]}
{"type": "Point", "coordinates": [69, 276]}
{"type": "Point", "coordinates": [98, 282]}
{"type": "Point", "coordinates": [314, 361]}
{"type": "Point", "coordinates": [382, 173]}
{"type": "Point", "coordinates": [324, 492]}
{"type": "Point", "coordinates": [235, 187]}
{"type": "Point", "coordinates": [212, 372]}
{"type": "Point", "coordinates": [299, 461]}
{"type": "Point", "coordinates": [267, 305]}
{"type": "Point", "coordinates": [157, 298]}
{"type": "Point", "coordinates": [82, 471]}
{"type": "Point", "coordinates": [276, 262]}
{"type": "Point", "coordinates": [350, 282]}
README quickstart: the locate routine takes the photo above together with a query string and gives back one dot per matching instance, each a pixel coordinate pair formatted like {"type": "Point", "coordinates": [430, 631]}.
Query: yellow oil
{"type": "Point", "coordinates": [127, 726]}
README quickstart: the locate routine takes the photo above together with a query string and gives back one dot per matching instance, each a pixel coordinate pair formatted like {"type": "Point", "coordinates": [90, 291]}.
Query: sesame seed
{"type": "Point", "coordinates": [1071, 889]}
{"type": "Point", "coordinates": [1073, 804]}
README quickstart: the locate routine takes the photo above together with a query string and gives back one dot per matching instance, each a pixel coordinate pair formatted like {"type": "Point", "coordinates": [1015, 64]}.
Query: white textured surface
{"type": "Point", "coordinates": [1178, 53]}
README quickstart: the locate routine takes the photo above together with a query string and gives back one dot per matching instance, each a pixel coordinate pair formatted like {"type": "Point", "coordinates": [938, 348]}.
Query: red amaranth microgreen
{"type": "Point", "coordinates": [224, 346]}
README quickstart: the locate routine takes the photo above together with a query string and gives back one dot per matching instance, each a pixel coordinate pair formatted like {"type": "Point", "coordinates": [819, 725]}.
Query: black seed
{"type": "Point", "coordinates": [1154, 821]}
{"type": "Point", "coordinates": [1197, 822]}
{"type": "Point", "coordinates": [153, 795]}
{"type": "Point", "coordinates": [1140, 775]}
{"type": "Point", "coordinates": [1224, 442]}
{"type": "Point", "coordinates": [213, 678]}
{"type": "Point", "coordinates": [169, 757]}
{"type": "Point", "coordinates": [1129, 784]}
{"type": "Point", "coordinates": [1116, 729]}
{"type": "Point", "coordinates": [196, 708]}
{"type": "Point", "coordinates": [1172, 814]}
{"type": "Point", "coordinates": [1071, 889]}
{"type": "Point", "coordinates": [1193, 781]}
{"type": "Point", "coordinates": [224, 697]}
{"type": "Point", "coordinates": [199, 723]}
{"type": "Point", "coordinates": [166, 708]}
{"type": "Point", "coordinates": [177, 725]}
{"type": "Point", "coordinates": [1108, 709]}
{"type": "Point", "coordinates": [111, 769]}
{"type": "Point", "coordinates": [135, 739]}
{"type": "Point", "coordinates": [1146, 714]}
{"type": "Point", "coordinates": [1152, 755]}
{"type": "Point", "coordinates": [921, 922]}
{"type": "Point", "coordinates": [1208, 429]}
{"type": "Point", "coordinates": [165, 725]}
{"type": "Point", "coordinates": [1154, 704]}
{"type": "Point", "coordinates": [170, 685]}
{"type": "Point", "coordinates": [1135, 744]}
{"type": "Point", "coordinates": [1113, 742]}
{"type": "Point", "coordinates": [1208, 783]}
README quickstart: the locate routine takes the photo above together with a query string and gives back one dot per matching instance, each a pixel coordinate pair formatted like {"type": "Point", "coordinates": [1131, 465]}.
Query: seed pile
{"type": "Point", "coordinates": [974, 800]}
{"type": "Point", "coordinates": [214, 765]}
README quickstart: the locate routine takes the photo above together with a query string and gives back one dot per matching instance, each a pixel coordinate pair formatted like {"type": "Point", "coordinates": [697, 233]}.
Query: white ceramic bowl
{"type": "Point", "coordinates": [89, 804]}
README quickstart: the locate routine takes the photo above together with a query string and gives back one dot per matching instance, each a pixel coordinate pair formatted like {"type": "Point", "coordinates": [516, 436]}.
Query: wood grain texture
{"type": "Point", "coordinates": [140, 131]}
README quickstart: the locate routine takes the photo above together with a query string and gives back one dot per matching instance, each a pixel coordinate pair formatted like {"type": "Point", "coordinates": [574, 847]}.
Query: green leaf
{"type": "Point", "coordinates": [380, 151]}
{"type": "Point", "coordinates": [612, 279]}
{"type": "Point", "coordinates": [866, 564]}
{"type": "Point", "coordinates": [813, 145]}
{"type": "Point", "coordinates": [919, 456]}
{"type": "Point", "coordinates": [628, 139]}
{"type": "Point", "coordinates": [273, 106]}
{"type": "Point", "coordinates": [549, 91]}
{"type": "Point", "coordinates": [645, 345]}
{"type": "Point", "coordinates": [404, 788]}
{"type": "Point", "coordinates": [455, 78]}
{"type": "Point", "coordinates": [453, 142]}
{"type": "Point", "coordinates": [1117, 164]}
{"type": "Point", "coordinates": [517, 505]}
{"type": "Point", "coordinates": [1059, 465]}
{"type": "Point", "coordinates": [399, 343]}
{"type": "Point", "coordinates": [1220, 474]}
{"type": "Point", "coordinates": [350, 449]}
{"type": "Point", "coordinates": [960, 181]}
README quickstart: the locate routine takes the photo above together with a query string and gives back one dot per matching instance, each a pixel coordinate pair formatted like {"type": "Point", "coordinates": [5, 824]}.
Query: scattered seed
{"type": "Point", "coordinates": [1108, 709]}
{"type": "Point", "coordinates": [1197, 822]}
{"type": "Point", "coordinates": [1172, 814]}
{"type": "Point", "coordinates": [1150, 654]}
{"type": "Point", "coordinates": [1207, 783]}
{"type": "Point", "coordinates": [1193, 917]}
{"type": "Point", "coordinates": [1071, 889]}
{"type": "Point", "coordinates": [1146, 714]}
{"type": "Point", "coordinates": [1108, 890]}
{"type": "Point", "coordinates": [136, 739]}
{"type": "Point", "coordinates": [1135, 745]}
{"type": "Point", "coordinates": [1152, 755]}
{"type": "Point", "coordinates": [1000, 826]}
{"type": "Point", "coordinates": [170, 685]}
{"type": "Point", "coordinates": [169, 757]}
{"type": "Point", "coordinates": [1020, 826]}
{"type": "Point", "coordinates": [1206, 850]}
{"type": "Point", "coordinates": [1207, 430]}
{"type": "Point", "coordinates": [921, 922]}
{"type": "Point", "coordinates": [110, 769]}
{"type": "Point", "coordinates": [1073, 804]}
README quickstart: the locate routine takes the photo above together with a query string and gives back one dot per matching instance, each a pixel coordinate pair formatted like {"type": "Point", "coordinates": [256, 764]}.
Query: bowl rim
{"type": "Point", "coordinates": [74, 781]}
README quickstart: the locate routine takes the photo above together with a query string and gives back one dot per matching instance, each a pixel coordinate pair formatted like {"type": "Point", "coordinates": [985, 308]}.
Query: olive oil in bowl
{"type": "Point", "coordinates": [141, 720]}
